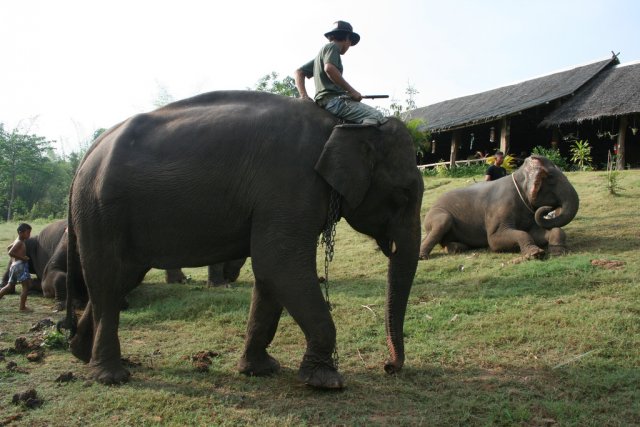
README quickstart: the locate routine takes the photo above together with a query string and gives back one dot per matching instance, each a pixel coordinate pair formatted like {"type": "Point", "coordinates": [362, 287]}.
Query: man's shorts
{"type": "Point", "coordinates": [19, 272]}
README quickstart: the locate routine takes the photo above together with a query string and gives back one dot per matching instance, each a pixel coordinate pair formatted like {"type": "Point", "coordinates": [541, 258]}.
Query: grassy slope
{"type": "Point", "coordinates": [487, 342]}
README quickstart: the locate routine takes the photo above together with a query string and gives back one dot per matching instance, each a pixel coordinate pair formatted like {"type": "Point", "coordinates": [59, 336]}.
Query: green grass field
{"type": "Point", "coordinates": [488, 342]}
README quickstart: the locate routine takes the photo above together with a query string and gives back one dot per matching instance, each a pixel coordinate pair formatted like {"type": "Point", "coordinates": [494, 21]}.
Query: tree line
{"type": "Point", "coordinates": [35, 179]}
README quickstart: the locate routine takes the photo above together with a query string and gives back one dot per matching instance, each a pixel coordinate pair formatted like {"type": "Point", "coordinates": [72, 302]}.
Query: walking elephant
{"type": "Point", "coordinates": [522, 211]}
{"type": "Point", "coordinates": [145, 193]}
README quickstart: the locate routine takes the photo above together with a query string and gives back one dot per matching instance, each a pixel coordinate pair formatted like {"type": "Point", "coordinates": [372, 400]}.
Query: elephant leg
{"type": "Point", "coordinates": [216, 275]}
{"type": "Point", "coordinates": [60, 287]}
{"type": "Point", "coordinates": [554, 238]}
{"type": "Point", "coordinates": [82, 343]}
{"type": "Point", "coordinates": [36, 287]}
{"type": "Point", "coordinates": [557, 241]}
{"type": "Point", "coordinates": [261, 328]}
{"type": "Point", "coordinates": [455, 247]}
{"type": "Point", "coordinates": [290, 276]}
{"type": "Point", "coordinates": [107, 292]}
{"type": "Point", "coordinates": [437, 224]}
{"type": "Point", "coordinates": [106, 361]}
{"type": "Point", "coordinates": [174, 276]}
{"type": "Point", "coordinates": [48, 289]}
{"type": "Point", "coordinates": [509, 239]}
{"type": "Point", "coordinates": [232, 269]}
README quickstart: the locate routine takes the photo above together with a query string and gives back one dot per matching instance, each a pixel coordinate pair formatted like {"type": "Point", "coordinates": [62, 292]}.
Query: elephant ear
{"type": "Point", "coordinates": [346, 163]}
{"type": "Point", "coordinates": [536, 171]}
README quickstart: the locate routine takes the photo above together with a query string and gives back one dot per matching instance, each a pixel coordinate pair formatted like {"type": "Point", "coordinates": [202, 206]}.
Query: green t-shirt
{"type": "Point", "coordinates": [329, 54]}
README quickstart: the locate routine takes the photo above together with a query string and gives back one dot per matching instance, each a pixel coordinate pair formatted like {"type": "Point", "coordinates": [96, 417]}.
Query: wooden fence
{"type": "Point", "coordinates": [447, 164]}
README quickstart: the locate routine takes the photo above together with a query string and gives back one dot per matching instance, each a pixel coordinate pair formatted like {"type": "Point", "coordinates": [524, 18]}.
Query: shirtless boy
{"type": "Point", "coordinates": [19, 271]}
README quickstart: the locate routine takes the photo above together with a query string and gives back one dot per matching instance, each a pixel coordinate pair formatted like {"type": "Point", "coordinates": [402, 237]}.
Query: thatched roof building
{"type": "Point", "coordinates": [508, 100]}
{"type": "Point", "coordinates": [597, 102]}
{"type": "Point", "coordinates": [614, 92]}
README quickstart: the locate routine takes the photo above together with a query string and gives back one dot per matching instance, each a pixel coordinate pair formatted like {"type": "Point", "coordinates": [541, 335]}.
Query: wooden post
{"type": "Point", "coordinates": [504, 135]}
{"type": "Point", "coordinates": [622, 133]}
{"type": "Point", "coordinates": [555, 138]}
{"type": "Point", "coordinates": [455, 139]}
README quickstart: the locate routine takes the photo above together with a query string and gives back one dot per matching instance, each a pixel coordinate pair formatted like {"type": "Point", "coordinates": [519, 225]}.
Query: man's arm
{"type": "Point", "coordinates": [299, 77]}
{"type": "Point", "coordinates": [487, 174]}
{"type": "Point", "coordinates": [19, 251]}
{"type": "Point", "coordinates": [336, 77]}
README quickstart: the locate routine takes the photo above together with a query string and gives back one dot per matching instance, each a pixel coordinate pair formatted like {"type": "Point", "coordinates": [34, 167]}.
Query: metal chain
{"type": "Point", "coordinates": [328, 241]}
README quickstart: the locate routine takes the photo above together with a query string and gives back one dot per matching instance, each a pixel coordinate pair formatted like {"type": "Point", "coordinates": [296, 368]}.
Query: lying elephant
{"type": "Point", "coordinates": [272, 162]}
{"type": "Point", "coordinates": [524, 210]}
{"type": "Point", "coordinates": [47, 252]}
{"type": "Point", "coordinates": [40, 250]}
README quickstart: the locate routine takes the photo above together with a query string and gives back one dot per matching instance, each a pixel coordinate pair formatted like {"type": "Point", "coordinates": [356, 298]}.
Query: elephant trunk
{"type": "Point", "coordinates": [563, 214]}
{"type": "Point", "coordinates": [403, 261]}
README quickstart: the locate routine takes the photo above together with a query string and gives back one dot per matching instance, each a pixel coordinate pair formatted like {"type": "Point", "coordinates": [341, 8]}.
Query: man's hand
{"type": "Point", "coordinates": [355, 95]}
{"type": "Point", "coordinates": [302, 90]}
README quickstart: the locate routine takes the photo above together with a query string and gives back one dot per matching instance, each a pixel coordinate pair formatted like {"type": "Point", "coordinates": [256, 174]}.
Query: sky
{"type": "Point", "coordinates": [70, 67]}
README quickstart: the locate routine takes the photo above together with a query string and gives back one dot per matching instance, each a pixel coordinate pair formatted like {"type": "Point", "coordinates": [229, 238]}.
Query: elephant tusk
{"type": "Point", "coordinates": [394, 248]}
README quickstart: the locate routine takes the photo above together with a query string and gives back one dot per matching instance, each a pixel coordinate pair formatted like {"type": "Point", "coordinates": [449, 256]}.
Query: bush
{"type": "Point", "coordinates": [581, 155]}
{"type": "Point", "coordinates": [552, 154]}
{"type": "Point", "coordinates": [465, 171]}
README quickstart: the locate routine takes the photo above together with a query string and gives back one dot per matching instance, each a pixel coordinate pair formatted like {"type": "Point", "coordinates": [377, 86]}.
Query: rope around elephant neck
{"type": "Point", "coordinates": [327, 240]}
{"type": "Point", "coordinates": [520, 194]}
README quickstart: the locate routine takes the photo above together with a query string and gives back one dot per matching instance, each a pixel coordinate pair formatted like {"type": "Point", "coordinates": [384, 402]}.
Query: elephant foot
{"type": "Point", "coordinates": [557, 250]}
{"type": "Point", "coordinates": [59, 306]}
{"type": "Point", "coordinates": [535, 253]}
{"type": "Point", "coordinates": [320, 373]}
{"type": "Point", "coordinates": [215, 284]}
{"type": "Point", "coordinates": [109, 374]}
{"type": "Point", "coordinates": [81, 348]}
{"type": "Point", "coordinates": [175, 276]}
{"type": "Point", "coordinates": [262, 367]}
{"type": "Point", "coordinates": [423, 257]}
{"type": "Point", "coordinates": [455, 248]}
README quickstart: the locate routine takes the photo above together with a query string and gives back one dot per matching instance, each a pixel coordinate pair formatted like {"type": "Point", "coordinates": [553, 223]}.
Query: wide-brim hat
{"type": "Point", "coordinates": [343, 27]}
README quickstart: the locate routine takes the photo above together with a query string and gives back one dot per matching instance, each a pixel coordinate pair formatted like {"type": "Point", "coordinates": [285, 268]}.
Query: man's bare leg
{"type": "Point", "coordinates": [23, 295]}
{"type": "Point", "coordinates": [8, 289]}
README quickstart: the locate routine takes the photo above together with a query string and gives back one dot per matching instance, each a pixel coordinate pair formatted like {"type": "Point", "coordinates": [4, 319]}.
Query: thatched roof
{"type": "Point", "coordinates": [494, 104]}
{"type": "Point", "coordinates": [614, 92]}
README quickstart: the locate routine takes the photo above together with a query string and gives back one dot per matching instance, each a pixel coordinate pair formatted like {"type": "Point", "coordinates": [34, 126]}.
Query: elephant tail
{"type": "Point", "coordinates": [70, 322]}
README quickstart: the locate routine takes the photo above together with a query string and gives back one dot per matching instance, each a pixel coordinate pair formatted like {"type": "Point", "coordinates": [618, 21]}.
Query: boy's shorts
{"type": "Point", "coordinates": [19, 272]}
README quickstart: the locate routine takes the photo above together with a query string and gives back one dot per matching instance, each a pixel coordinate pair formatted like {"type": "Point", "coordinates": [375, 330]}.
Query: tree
{"type": "Point", "coordinates": [270, 83]}
{"type": "Point", "coordinates": [21, 156]}
{"type": "Point", "coordinates": [417, 127]}
{"type": "Point", "coordinates": [410, 102]}
{"type": "Point", "coordinates": [163, 97]}
{"type": "Point", "coordinates": [420, 135]}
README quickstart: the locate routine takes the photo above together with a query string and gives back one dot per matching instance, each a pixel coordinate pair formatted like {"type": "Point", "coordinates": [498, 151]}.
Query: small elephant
{"type": "Point", "coordinates": [48, 245]}
{"type": "Point", "coordinates": [218, 274]}
{"type": "Point", "coordinates": [47, 252]}
{"type": "Point", "coordinates": [274, 163]}
{"type": "Point", "coordinates": [522, 211]}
